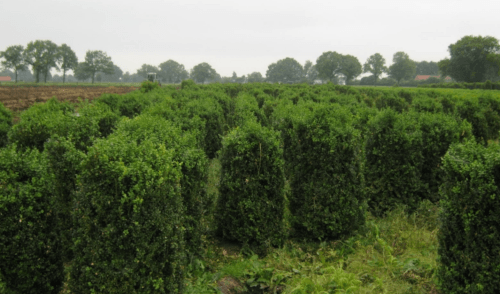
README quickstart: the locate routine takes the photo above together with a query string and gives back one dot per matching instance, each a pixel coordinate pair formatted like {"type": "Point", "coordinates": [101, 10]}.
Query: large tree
{"type": "Point", "coordinates": [95, 61]}
{"type": "Point", "coordinates": [472, 57]}
{"type": "Point", "coordinates": [42, 56]}
{"type": "Point", "coordinates": [13, 59]}
{"type": "Point", "coordinates": [203, 72]}
{"type": "Point", "coordinates": [255, 77]}
{"type": "Point", "coordinates": [286, 70]}
{"type": "Point", "coordinates": [50, 59]}
{"type": "Point", "coordinates": [173, 72]}
{"type": "Point", "coordinates": [68, 60]}
{"type": "Point", "coordinates": [427, 68]}
{"type": "Point", "coordinates": [375, 65]}
{"type": "Point", "coordinates": [350, 67]}
{"type": "Point", "coordinates": [329, 65]}
{"type": "Point", "coordinates": [402, 67]}
{"type": "Point", "coordinates": [114, 77]}
{"type": "Point", "coordinates": [310, 72]}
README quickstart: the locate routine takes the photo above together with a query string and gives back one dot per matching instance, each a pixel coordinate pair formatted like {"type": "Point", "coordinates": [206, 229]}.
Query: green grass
{"type": "Point", "coordinates": [394, 254]}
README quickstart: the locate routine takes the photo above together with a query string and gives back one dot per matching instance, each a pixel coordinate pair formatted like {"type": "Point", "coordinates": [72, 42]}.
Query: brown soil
{"type": "Point", "coordinates": [20, 98]}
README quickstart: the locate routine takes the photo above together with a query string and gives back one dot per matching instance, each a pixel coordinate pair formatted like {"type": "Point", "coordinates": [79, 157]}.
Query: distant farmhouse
{"type": "Point", "coordinates": [5, 79]}
{"type": "Point", "coordinates": [425, 77]}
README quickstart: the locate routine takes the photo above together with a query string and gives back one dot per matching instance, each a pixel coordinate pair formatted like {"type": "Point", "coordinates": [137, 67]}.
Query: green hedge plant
{"type": "Point", "coordinates": [469, 237]}
{"type": "Point", "coordinates": [30, 248]}
{"type": "Point", "coordinates": [250, 208]}
{"type": "Point", "coordinates": [129, 235]}
{"type": "Point", "coordinates": [327, 197]}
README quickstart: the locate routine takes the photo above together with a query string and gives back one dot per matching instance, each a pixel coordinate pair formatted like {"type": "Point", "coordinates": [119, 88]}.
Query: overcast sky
{"type": "Point", "coordinates": [247, 36]}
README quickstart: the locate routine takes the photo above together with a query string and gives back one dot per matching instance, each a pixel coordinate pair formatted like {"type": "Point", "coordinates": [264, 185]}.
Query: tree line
{"type": "Point", "coordinates": [472, 59]}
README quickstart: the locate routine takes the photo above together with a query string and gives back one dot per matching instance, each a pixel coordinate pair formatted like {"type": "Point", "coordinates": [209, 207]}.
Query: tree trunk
{"type": "Point", "coordinates": [37, 73]}
{"type": "Point", "coordinates": [64, 75]}
{"type": "Point", "coordinates": [16, 75]}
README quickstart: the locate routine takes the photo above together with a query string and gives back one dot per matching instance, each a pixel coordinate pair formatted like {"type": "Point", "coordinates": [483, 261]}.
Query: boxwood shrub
{"type": "Point", "coordinates": [327, 197]}
{"type": "Point", "coordinates": [393, 154]}
{"type": "Point", "coordinates": [469, 237]}
{"type": "Point", "coordinates": [5, 124]}
{"type": "Point", "coordinates": [250, 207]}
{"type": "Point", "coordinates": [129, 235]}
{"type": "Point", "coordinates": [194, 165]}
{"type": "Point", "coordinates": [30, 249]}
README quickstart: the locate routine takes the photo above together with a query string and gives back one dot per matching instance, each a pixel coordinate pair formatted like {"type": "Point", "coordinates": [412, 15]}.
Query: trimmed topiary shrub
{"type": "Point", "coordinates": [129, 235]}
{"type": "Point", "coordinates": [30, 249]}
{"type": "Point", "coordinates": [327, 198]}
{"type": "Point", "coordinates": [5, 124]}
{"type": "Point", "coordinates": [469, 237]}
{"type": "Point", "coordinates": [250, 208]}
{"type": "Point", "coordinates": [194, 166]}
{"type": "Point", "coordinates": [393, 152]}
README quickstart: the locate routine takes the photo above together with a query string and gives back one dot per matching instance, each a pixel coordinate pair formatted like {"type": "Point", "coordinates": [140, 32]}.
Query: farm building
{"type": "Point", "coordinates": [5, 79]}
{"type": "Point", "coordinates": [425, 77]}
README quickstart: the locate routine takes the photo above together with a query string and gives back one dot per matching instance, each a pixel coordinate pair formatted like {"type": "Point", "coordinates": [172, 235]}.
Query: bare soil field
{"type": "Point", "coordinates": [20, 98]}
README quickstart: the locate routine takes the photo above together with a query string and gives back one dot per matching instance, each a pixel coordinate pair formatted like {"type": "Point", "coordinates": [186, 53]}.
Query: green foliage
{"type": "Point", "coordinates": [193, 168]}
{"type": "Point", "coordinates": [30, 249]}
{"type": "Point", "coordinates": [469, 240]}
{"type": "Point", "coordinates": [129, 235]}
{"type": "Point", "coordinates": [402, 68]}
{"type": "Point", "coordinates": [250, 207]}
{"type": "Point", "coordinates": [247, 108]}
{"type": "Point", "coordinates": [5, 124]}
{"type": "Point", "coordinates": [470, 58]}
{"type": "Point", "coordinates": [327, 199]}
{"type": "Point", "coordinates": [375, 64]}
{"type": "Point", "coordinates": [287, 70]}
{"type": "Point", "coordinates": [393, 161]}
{"type": "Point", "coordinates": [148, 86]}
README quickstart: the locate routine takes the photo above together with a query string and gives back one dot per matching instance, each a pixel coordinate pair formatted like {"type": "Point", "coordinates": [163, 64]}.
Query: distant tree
{"type": "Point", "coordinates": [173, 72]}
{"type": "Point", "coordinates": [42, 56]}
{"type": "Point", "coordinates": [68, 60]}
{"type": "Point", "coordinates": [471, 58]}
{"type": "Point", "coordinates": [14, 60]}
{"type": "Point", "coordinates": [329, 65]}
{"type": "Point", "coordinates": [427, 68]}
{"type": "Point", "coordinates": [375, 65]}
{"type": "Point", "coordinates": [81, 72]}
{"type": "Point", "coordinates": [145, 69]}
{"type": "Point", "coordinates": [126, 77]}
{"type": "Point", "coordinates": [350, 67]}
{"type": "Point", "coordinates": [286, 70]}
{"type": "Point", "coordinates": [402, 68]}
{"type": "Point", "coordinates": [443, 66]}
{"type": "Point", "coordinates": [255, 77]}
{"type": "Point", "coordinates": [310, 72]}
{"type": "Point", "coordinates": [203, 72]}
{"type": "Point", "coordinates": [95, 61]}
{"type": "Point", "coordinates": [114, 77]}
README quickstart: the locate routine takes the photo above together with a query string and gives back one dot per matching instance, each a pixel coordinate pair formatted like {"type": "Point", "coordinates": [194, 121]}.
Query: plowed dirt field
{"type": "Point", "coordinates": [20, 98]}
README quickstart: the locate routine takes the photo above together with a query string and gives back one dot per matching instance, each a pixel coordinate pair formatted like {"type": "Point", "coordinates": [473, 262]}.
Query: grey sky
{"type": "Point", "coordinates": [247, 36]}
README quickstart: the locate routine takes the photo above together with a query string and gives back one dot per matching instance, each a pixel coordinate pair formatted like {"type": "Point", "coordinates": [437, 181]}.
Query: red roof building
{"type": "Point", "coordinates": [425, 77]}
{"type": "Point", "coordinates": [5, 79]}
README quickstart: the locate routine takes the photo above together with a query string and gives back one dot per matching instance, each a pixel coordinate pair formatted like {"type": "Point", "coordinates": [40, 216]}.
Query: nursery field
{"type": "Point", "coordinates": [252, 188]}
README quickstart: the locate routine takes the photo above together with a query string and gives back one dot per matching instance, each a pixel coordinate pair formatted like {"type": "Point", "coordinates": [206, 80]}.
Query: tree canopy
{"type": "Point", "coordinates": [286, 70]}
{"type": "Point", "coordinates": [172, 72]}
{"type": "Point", "coordinates": [329, 65]}
{"type": "Point", "coordinates": [472, 57]}
{"type": "Point", "coordinates": [202, 73]}
{"type": "Point", "coordinates": [95, 61]}
{"type": "Point", "coordinates": [427, 68]}
{"type": "Point", "coordinates": [68, 59]}
{"type": "Point", "coordinates": [375, 65]}
{"type": "Point", "coordinates": [402, 68]}
{"type": "Point", "coordinates": [255, 77]}
{"type": "Point", "coordinates": [350, 67]}
{"type": "Point", "coordinates": [13, 56]}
